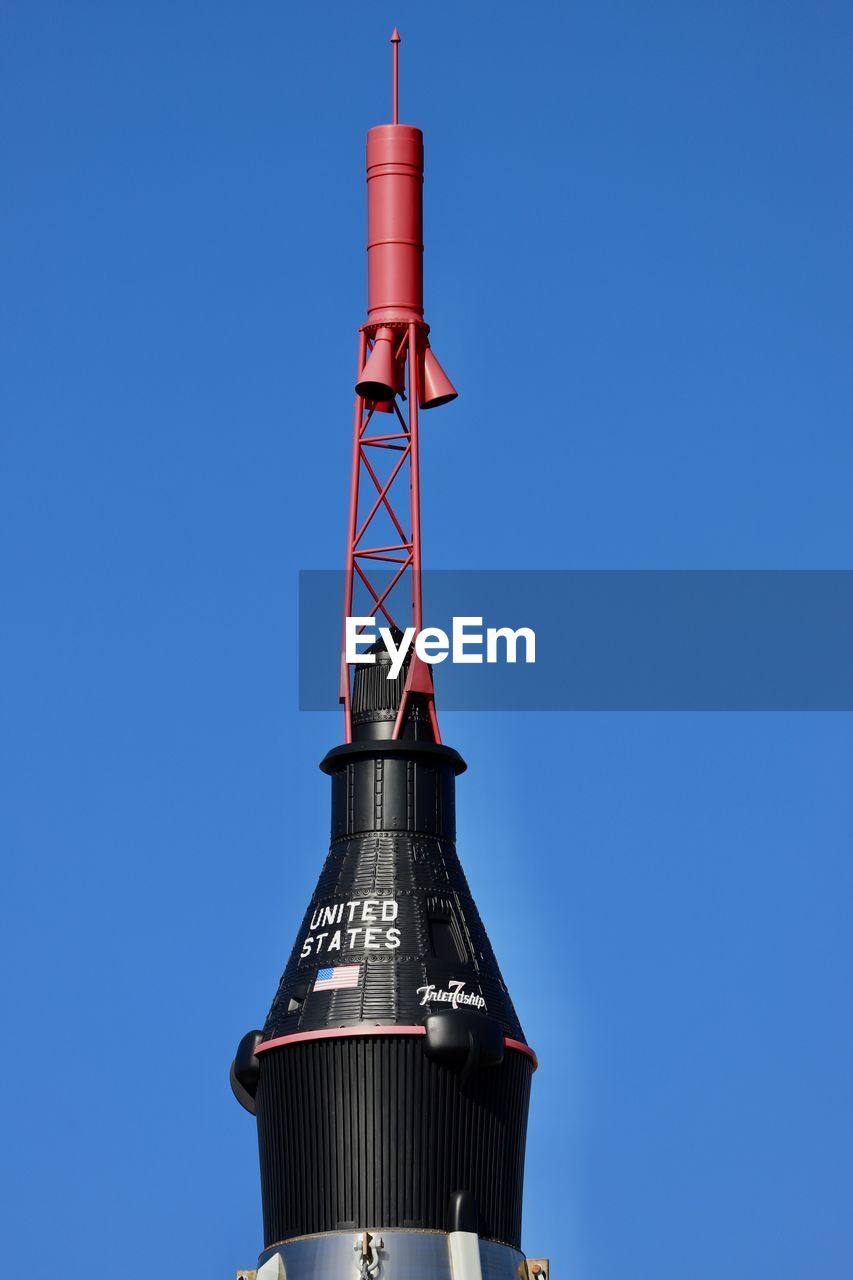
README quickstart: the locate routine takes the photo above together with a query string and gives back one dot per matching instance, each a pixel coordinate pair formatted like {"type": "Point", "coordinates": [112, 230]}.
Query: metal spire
{"type": "Point", "coordinates": [395, 76]}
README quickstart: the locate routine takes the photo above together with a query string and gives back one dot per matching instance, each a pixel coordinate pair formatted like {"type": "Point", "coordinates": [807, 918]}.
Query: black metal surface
{"type": "Point", "coordinates": [369, 1131]}
{"type": "Point", "coordinates": [393, 899]}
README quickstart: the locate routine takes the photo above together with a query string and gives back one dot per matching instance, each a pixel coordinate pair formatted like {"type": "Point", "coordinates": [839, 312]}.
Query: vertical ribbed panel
{"type": "Point", "coordinates": [367, 1131]}
{"type": "Point", "coordinates": [375, 696]}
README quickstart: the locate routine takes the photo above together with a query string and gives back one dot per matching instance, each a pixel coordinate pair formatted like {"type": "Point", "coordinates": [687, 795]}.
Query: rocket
{"type": "Point", "coordinates": [391, 1079]}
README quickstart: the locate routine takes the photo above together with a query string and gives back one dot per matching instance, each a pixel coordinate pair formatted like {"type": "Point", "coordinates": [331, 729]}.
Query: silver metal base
{"type": "Point", "coordinates": [394, 1255]}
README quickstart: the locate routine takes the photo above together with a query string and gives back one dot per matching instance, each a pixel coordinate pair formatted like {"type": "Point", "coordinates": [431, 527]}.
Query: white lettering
{"type": "Point", "coordinates": [372, 935]}
{"type": "Point", "coordinates": [398, 655]}
{"type": "Point", "coordinates": [356, 635]}
{"type": "Point", "coordinates": [461, 638]}
{"type": "Point", "coordinates": [432, 645]}
{"type": "Point", "coordinates": [511, 637]}
{"type": "Point", "coordinates": [431, 995]}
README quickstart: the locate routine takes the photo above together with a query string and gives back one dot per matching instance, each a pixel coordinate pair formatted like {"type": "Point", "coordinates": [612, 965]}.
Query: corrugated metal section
{"type": "Point", "coordinates": [367, 1131]}
{"type": "Point", "coordinates": [375, 696]}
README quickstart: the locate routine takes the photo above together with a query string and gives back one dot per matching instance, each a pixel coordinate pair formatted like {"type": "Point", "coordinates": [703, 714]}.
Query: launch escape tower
{"type": "Point", "coordinates": [391, 1079]}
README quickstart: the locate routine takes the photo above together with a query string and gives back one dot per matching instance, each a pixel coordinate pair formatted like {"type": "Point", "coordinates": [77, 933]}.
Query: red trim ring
{"type": "Point", "coordinates": [520, 1047]}
{"type": "Point", "coordinates": [332, 1033]}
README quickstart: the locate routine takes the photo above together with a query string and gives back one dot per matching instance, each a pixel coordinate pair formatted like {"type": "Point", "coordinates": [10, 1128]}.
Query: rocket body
{"type": "Point", "coordinates": [391, 1078]}
{"type": "Point", "coordinates": [392, 1072]}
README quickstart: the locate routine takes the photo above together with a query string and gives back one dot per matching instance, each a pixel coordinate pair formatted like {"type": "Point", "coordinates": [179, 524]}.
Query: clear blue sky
{"type": "Point", "coordinates": [639, 275]}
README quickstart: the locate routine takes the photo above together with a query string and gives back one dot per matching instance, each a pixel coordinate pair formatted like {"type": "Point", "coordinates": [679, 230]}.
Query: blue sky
{"type": "Point", "coordinates": [639, 277]}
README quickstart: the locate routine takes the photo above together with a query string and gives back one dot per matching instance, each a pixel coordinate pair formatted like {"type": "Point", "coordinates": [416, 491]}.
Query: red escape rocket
{"type": "Point", "coordinates": [391, 1079]}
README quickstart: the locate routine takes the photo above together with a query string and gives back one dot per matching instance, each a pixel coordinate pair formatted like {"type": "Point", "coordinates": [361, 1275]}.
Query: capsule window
{"type": "Point", "coordinates": [445, 936]}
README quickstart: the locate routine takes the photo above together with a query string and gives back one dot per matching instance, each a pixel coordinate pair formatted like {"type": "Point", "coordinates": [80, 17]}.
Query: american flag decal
{"type": "Point", "coordinates": [343, 975]}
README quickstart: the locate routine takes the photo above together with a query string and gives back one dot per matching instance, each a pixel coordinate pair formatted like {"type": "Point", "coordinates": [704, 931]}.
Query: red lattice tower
{"type": "Point", "coordinates": [398, 376]}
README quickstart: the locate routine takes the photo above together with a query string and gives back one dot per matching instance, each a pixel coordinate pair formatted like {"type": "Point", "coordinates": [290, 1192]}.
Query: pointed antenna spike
{"type": "Point", "coordinates": [395, 75]}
